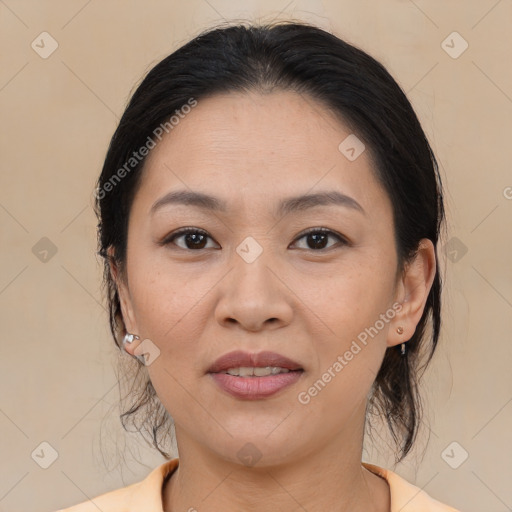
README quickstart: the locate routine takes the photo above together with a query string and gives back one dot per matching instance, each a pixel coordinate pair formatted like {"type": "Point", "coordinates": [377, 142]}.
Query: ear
{"type": "Point", "coordinates": [412, 292]}
{"type": "Point", "coordinates": [124, 299]}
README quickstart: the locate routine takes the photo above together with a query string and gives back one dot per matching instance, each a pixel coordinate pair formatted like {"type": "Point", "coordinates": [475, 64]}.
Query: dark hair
{"type": "Point", "coordinates": [351, 84]}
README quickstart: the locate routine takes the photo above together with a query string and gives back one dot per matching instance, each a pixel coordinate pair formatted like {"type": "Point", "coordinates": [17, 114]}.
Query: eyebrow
{"type": "Point", "coordinates": [288, 205]}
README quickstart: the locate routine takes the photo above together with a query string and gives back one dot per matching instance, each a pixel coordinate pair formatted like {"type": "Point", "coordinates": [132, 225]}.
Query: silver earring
{"type": "Point", "coordinates": [130, 338]}
{"type": "Point", "coordinates": [403, 349]}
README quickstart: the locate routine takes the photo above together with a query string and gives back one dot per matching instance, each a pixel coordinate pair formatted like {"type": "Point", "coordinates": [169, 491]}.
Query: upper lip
{"type": "Point", "coordinates": [238, 358]}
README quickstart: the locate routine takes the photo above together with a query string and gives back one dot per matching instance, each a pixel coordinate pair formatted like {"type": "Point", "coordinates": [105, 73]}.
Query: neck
{"type": "Point", "coordinates": [204, 480]}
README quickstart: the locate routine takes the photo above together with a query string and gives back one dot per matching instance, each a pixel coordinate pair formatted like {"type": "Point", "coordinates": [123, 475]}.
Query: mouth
{"type": "Point", "coordinates": [239, 360]}
{"type": "Point", "coordinates": [254, 376]}
{"type": "Point", "coordinates": [256, 371]}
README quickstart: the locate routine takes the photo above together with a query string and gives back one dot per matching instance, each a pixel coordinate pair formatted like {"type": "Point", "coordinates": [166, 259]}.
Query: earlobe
{"type": "Point", "coordinates": [130, 347]}
{"type": "Point", "coordinates": [412, 293]}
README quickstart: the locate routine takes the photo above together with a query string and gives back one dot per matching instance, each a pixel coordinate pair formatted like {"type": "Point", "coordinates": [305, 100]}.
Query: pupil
{"type": "Point", "coordinates": [196, 239]}
{"type": "Point", "coordinates": [316, 243]}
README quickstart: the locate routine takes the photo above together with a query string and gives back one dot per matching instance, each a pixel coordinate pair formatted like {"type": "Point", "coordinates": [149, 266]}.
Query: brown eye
{"type": "Point", "coordinates": [192, 239]}
{"type": "Point", "coordinates": [318, 238]}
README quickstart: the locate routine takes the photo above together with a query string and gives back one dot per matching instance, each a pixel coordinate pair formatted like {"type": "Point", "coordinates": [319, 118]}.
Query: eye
{"type": "Point", "coordinates": [193, 238]}
{"type": "Point", "coordinates": [317, 238]}
{"type": "Point", "coordinates": [196, 239]}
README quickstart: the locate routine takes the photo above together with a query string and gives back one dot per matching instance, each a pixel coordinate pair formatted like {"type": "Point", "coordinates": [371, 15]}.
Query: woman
{"type": "Point", "coordinates": [269, 214]}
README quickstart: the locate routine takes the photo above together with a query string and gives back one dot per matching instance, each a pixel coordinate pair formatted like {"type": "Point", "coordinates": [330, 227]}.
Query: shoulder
{"type": "Point", "coordinates": [406, 497]}
{"type": "Point", "coordinates": [143, 495]}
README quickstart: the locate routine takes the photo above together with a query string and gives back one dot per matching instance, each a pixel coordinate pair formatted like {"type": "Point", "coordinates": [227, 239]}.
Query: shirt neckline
{"type": "Point", "coordinates": [167, 469]}
{"type": "Point", "coordinates": [405, 496]}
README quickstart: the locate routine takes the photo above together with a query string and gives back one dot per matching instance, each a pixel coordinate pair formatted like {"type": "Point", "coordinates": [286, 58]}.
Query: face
{"type": "Point", "coordinates": [314, 282]}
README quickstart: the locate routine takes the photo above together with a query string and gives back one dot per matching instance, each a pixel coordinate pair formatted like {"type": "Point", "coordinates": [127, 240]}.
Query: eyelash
{"type": "Point", "coordinates": [185, 231]}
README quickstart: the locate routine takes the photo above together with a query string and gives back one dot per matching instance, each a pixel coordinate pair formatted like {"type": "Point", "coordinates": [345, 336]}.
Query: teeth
{"type": "Point", "coordinates": [246, 371]}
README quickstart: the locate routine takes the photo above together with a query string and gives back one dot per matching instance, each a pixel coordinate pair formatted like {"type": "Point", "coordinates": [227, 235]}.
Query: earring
{"type": "Point", "coordinates": [400, 330]}
{"type": "Point", "coordinates": [130, 338]}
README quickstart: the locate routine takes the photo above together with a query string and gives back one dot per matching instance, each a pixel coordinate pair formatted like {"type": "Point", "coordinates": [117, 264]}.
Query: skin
{"type": "Point", "coordinates": [253, 150]}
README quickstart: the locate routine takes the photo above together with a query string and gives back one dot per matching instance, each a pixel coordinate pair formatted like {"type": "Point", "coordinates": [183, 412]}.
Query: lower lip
{"type": "Point", "coordinates": [254, 388]}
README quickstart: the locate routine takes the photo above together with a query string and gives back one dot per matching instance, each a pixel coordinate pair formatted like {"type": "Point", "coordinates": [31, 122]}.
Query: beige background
{"type": "Point", "coordinates": [58, 114]}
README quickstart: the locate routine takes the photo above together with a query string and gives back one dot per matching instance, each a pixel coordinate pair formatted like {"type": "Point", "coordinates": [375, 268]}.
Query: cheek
{"type": "Point", "coordinates": [161, 293]}
{"type": "Point", "coordinates": [354, 306]}
{"type": "Point", "coordinates": [349, 299]}
{"type": "Point", "coordinates": [350, 347]}
{"type": "Point", "coordinates": [167, 308]}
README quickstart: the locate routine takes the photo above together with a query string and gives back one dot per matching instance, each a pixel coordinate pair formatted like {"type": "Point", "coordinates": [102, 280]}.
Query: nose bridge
{"type": "Point", "coordinates": [253, 269]}
{"type": "Point", "coordinates": [253, 294]}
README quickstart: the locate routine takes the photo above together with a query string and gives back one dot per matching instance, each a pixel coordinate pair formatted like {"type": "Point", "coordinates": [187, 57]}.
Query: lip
{"type": "Point", "coordinates": [238, 358]}
{"type": "Point", "coordinates": [254, 388]}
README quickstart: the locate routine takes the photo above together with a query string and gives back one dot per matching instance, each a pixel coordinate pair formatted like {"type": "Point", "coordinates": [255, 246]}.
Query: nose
{"type": "Point", "coordinates": [254, 296]}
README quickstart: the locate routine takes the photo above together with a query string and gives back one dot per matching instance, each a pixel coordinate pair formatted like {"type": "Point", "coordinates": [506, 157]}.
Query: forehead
{"type": "Point", "coordinates": [259, 147]}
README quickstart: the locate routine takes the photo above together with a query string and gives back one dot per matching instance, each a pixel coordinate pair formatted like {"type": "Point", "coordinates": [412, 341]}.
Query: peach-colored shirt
{"type": "Point", "coordinates": [146, 496]}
